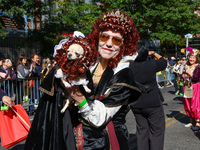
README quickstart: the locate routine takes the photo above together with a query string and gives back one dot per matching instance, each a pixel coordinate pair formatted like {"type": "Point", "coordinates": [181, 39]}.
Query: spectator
{"type": "Point", "coordinates": [167, 71]}
{"type": "Point", "coordinates": [46, 63]}
{"type": "Point", "coordinates": [1, 62]}
{"type": "Point", "coordinates": [172, 61]}
{"type": "Point", "coordinates": [148, 109]}
{"type": "Point", "coordinates": [7, 72]}
{"type": "Point", "coordinates": [53, 63]}
{"type": "Point", "coordinates": [178, 80]}
{"type": "Point", "coordinates": [22, 73]}
{"type": "Point", "coordinates": [36, 75]}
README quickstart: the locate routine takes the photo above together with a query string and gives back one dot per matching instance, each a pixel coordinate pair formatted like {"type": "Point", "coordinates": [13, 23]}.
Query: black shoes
{"type": "Point", "coordinates": [196, 128]}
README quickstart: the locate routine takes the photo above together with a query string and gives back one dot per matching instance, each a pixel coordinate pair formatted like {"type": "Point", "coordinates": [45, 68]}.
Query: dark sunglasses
{"type": "Point", "coordinates": [115, 40]}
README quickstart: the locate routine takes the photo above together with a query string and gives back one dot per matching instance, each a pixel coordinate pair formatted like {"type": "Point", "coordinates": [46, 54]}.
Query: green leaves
{"type": "Point", "coordinates": [167, 20]}
{"type": "Point", "coordinates": [158, 19]}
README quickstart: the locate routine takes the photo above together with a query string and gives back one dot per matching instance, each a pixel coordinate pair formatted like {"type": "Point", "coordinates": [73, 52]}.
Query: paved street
{"type": "Point", "coordinates": [177, 137]}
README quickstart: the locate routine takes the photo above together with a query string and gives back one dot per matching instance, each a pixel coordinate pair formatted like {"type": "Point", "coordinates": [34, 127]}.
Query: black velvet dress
{"type": "Point", "coordinates": [123, 89]}
{"type": "Point", "coordinates": [52, 130]}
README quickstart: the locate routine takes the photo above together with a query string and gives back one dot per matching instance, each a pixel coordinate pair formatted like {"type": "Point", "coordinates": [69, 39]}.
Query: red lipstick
{"type": "Point", "coordinates": [107, 49]}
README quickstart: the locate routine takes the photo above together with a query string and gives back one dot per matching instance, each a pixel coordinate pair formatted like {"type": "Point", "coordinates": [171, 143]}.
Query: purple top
{"type": "Point", "coordinates": [196, 74]}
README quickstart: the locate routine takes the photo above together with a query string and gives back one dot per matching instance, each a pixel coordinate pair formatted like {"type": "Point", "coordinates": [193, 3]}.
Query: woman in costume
{"type": "Point", "coordinates": [192, 78]}
{"type": "Point", "coordinates": [100, 121]}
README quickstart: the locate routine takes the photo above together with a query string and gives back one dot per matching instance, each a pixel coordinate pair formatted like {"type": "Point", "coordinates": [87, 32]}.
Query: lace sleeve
{"type": "Point", "coordinates": [196, 74]}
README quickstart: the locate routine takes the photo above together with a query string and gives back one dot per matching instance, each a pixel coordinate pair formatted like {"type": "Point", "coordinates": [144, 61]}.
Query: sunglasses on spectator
{"type": "Point", "coordinates": [115, 40]}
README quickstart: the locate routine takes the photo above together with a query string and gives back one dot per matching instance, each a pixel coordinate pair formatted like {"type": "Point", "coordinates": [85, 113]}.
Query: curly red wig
{"type": "Point", "coordinates": [75, 68]}
{"type": "Point", "coordinates": [116, 21]}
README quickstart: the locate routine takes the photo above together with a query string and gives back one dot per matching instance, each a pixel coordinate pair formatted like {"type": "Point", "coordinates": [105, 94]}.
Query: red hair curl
{"type": "Point", "coordinates": [116, 21]}
{"type": "Point", "coordinates": [75, 68]}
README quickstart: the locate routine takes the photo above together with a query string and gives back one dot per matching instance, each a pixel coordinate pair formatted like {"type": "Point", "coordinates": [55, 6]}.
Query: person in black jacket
{"type": "Point", "coordinates": [35, 74]}
{"type": "Point", "coordinates": [148, 109]}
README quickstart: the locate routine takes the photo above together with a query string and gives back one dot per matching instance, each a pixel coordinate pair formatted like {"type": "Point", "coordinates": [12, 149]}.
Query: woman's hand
{"type": "Point", "coordinates": [31, 67]}
{"type": "Point", "coordinates": [76, 94]}
{"type": "Point", "coordinates": [150, 53]}
{"type": "Point", "coordinates": [7, 100]}
{"type": "Point", "coordinates": [156, 55]}
{"type": "Point", "coordinates": [9, 77]}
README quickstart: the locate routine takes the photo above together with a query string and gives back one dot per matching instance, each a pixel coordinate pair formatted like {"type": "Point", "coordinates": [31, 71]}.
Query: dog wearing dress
{"type": "Point", "coordinates": [74, 59]}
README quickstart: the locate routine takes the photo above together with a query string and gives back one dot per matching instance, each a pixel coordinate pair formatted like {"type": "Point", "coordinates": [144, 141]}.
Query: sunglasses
{"type": "Point", "coordinates": [115, 40]}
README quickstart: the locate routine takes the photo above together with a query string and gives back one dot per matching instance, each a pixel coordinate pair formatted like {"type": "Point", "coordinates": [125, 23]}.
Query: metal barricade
{"type": "Point", "coordinates": [23, 91]}
{"type": "Point", "coordinates": [26, 91]}
{"type": "Point", "coordinates": [165, 78]}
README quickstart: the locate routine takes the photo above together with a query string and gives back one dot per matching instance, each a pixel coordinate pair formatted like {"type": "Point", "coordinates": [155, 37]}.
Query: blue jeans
{"type": "Point", "coordinates": [9, 91]}
{"type": "Point", "coordinates": [31, 107]}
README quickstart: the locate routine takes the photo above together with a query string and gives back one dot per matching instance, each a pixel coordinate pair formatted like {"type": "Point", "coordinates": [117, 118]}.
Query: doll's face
{"type": "Point", "coordinates": [110, 44]}
{"type": "Point", "coordinates": [75, 51]}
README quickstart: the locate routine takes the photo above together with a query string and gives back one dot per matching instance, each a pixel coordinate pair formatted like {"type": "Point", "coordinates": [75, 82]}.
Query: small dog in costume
{"type": "Point", "coordinates": [74, 58]}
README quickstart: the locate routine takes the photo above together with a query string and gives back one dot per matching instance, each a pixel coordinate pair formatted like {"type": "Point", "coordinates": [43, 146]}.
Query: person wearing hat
{"type": "Point", "coordinates": [99, 122]}
{"type": "Point", "coordinates": [191, 99]}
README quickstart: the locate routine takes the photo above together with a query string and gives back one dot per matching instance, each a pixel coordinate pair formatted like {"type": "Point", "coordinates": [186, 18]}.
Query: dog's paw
{"type": "Point", "coordinates": [63, 110]}
{"type": "Point", "coordinates": [68, 86]}
{"type": "Point", "coordinates": [65, 107]}
{"type": "Point", "coordinates": [88, 91]}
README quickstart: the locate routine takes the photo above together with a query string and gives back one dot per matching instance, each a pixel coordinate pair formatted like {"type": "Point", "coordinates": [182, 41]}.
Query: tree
{"type": "Point", "coordinates": [160, 19]}
{"type": "Point", "coordinates": [70, 15]}
{"type": "Point", "coordinates": [167, 21]}
{"type": "Point", "coordinates": [16, 9]}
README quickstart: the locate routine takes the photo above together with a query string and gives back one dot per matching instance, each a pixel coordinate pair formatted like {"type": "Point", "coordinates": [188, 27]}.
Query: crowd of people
{"type": "Point", "coordinates": [186, 79]}
{"type": "Point", "coordinates": [119, 78]}
{"type": "Point", "coordinates": [13, 77]}
{"type": "Point", "coordinates": [166, 77]}
{"type": "Point", "coordinates": [186, 83]}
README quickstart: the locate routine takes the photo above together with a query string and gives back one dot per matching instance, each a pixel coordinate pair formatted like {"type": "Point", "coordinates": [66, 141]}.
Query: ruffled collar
{"type": "Point", "coordinates": [124, 63]}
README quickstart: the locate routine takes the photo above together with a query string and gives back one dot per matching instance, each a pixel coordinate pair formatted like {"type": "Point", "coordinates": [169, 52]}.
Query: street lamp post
{"type": "Point", "coordinates": [187, 36]}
